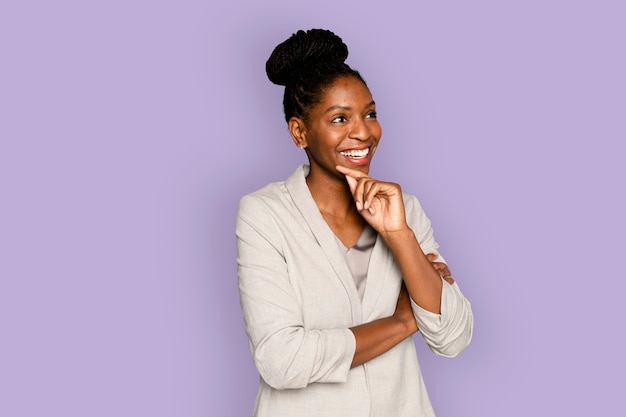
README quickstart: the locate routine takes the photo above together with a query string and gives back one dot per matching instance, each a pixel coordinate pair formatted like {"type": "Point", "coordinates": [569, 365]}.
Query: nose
{"type": "Point", "coordinates": [360, 129]}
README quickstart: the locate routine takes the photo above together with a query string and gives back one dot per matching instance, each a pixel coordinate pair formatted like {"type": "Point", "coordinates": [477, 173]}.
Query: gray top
{"type": "Point", "coordinates": [358, 257]}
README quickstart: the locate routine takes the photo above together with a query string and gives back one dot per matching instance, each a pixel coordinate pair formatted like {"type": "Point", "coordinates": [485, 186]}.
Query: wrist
{"type": "Point", "coordinates": [401, 234]}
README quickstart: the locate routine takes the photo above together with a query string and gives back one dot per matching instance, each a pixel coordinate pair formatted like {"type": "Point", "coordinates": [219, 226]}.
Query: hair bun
{"type": "Point", "coordinates": [301, 50]}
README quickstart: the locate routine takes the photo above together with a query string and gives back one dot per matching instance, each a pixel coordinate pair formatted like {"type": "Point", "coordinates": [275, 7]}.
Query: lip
{"type": "Point", "coordinates": [357, 161]}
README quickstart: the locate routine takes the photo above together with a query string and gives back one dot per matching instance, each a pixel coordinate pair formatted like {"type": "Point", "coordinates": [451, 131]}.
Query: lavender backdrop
{"type": "Point", "coordinates": [129, 130]}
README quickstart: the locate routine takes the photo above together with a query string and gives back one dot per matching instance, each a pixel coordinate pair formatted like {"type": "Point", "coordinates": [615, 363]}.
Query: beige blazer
{"type": "Point", "coordinates": [299, 301]}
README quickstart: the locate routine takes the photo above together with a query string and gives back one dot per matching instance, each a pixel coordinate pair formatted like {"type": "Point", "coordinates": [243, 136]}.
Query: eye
{"type": "Point", "coordinates": [371, 115]}
{"type": "Point", "coordinates": [339, 119]}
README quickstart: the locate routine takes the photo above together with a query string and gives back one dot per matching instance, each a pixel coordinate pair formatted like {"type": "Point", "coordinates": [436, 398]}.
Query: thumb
{"type": "Point", "coordinates": [352, 182]}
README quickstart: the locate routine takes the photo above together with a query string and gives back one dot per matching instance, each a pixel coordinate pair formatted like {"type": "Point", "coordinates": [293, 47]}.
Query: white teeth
{"type": "Point", "coordinates": [356, 153]}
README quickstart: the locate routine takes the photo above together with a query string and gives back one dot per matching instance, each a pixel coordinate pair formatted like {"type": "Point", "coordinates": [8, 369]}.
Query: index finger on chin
{"type": "Point", "coordinates": [351, 172]}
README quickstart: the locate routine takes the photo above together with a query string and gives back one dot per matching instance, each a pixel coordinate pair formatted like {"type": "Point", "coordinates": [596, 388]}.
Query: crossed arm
{"type": "Point", "coordinates": [290, 355]}
{"type": "Point", "coordinates": [377, 337]}
{"type": "Point", "coordinates": [381, 205]}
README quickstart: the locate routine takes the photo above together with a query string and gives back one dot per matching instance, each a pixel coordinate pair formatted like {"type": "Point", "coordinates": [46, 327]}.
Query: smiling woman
{"type": "Point", "coordinates": [342, 127]}
{"type": "Point", "coordinates": [338, 270]}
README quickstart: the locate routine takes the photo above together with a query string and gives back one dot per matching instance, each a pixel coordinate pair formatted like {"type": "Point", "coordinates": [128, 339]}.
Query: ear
{"type": "Point", "coordinates": [297, 128]}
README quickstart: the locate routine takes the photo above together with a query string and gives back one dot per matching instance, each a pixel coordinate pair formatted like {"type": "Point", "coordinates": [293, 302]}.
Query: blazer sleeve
{"type": "Point", "coordinates": [450, 332]}
{"type": "Point", "coordinates": [286, 354]}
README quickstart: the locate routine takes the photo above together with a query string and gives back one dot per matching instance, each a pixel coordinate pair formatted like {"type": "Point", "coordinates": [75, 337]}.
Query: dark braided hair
{"type": "Point", "coordinates": [307, 64]}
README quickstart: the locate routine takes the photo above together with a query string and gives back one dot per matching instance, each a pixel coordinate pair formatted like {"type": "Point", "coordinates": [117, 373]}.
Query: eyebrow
{"type": "Point", "coordinates": [333, 108]}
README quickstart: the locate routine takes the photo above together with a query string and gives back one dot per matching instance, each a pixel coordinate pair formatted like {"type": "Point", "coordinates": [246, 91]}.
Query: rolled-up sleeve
{"type": "Point", "coordinates": [449, 332]}
{"type": "Point", "coordinates": [286, 354]}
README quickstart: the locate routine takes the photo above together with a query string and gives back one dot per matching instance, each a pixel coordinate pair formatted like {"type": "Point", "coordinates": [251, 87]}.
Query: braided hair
{"type": "Point", "coordinates": [307, 64]}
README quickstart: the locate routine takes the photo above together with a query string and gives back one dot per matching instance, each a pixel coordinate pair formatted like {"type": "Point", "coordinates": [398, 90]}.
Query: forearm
{"type": "Point", "coordinates": [377, 337]}
{"type": "Point", "coordinates": [422, 280]}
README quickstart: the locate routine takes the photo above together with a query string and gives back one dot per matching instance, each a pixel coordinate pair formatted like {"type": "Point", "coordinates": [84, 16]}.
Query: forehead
{"type": "Point", "coordinates": [346, 91]}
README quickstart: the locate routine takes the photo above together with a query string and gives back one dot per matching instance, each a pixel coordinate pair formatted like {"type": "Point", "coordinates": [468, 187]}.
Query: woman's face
{"type": "Point", "coordinates": [342, 128]}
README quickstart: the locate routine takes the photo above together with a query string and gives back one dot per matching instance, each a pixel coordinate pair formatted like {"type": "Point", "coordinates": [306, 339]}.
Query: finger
{"type": "Point", "coordinates": [442, 269]}
{"type": "Point", "coordinates": [351, 183]}
{"type": "Point", "coordinates": [432, 256]}
{"type": "Point", "coordinates": [440, 265]}
{"type": "Point", "coordinates": [371, 190]}
{"type": "Point", "coordinates": [367, 186]}
{"type": "Point", "coordinates": [442, 272]}
{"type": "Point", "coordinates": [359, 192]}
{"type": "Point", "coordinates": [351, 172]}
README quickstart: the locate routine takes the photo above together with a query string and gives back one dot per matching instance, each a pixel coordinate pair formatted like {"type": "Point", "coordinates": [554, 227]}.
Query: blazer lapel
{"type": "Point", "coordinates": [299, 192]}
{"type": "Point", "coordinates": [378, 273]}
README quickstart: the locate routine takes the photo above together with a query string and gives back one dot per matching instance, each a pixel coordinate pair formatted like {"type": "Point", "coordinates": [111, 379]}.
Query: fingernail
{"type": "Point", "coordinates": [359, 206]}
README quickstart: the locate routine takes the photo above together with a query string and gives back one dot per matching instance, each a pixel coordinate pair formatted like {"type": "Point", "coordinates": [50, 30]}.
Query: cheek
{"type": "Point", "coordinates": [377, 131]}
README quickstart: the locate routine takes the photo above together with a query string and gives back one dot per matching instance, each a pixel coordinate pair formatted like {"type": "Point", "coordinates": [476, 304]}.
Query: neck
{"type": "Point", "coordinates": [331, 194]}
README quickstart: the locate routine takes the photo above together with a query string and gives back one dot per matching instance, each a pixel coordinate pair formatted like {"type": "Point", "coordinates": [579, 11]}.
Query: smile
{"type": "Point", "coordinates": [360, 153]}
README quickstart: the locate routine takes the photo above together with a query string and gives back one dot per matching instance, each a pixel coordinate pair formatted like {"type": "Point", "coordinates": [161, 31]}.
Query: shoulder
{"type": "Point", "coordinates": [275, 196]}
{"type": "Point", "coordinates": [412, 205]}
{"type": "Point", "coordinates": [262, 199]}
{"type": "Point", "coordinates": [420, 223]}
{"type": "Point", "coordinates": [257, 219]}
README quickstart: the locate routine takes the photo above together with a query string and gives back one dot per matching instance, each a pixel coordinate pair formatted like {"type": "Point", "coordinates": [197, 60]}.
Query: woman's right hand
{"type": "Point", "coordinates": [404, 311]}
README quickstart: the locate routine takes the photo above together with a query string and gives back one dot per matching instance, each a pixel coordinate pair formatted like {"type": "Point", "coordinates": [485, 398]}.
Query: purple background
{"type": "Point", "coordinates": [130, 129]}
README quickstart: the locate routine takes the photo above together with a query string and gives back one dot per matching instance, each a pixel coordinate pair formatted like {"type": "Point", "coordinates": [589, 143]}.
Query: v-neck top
{"type": "Point", "coordinates": [358, 257]}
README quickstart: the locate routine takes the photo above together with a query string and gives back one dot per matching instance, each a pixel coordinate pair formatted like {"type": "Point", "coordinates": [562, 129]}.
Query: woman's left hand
{"type": "Point", "coordinates": [380, 203]}
{"type": "Point", "coordinates": [440, 267]}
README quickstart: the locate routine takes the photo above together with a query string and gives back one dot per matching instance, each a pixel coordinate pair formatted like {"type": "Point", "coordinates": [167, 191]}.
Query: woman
{"type": "Point", "coordinates": [336, 269]}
